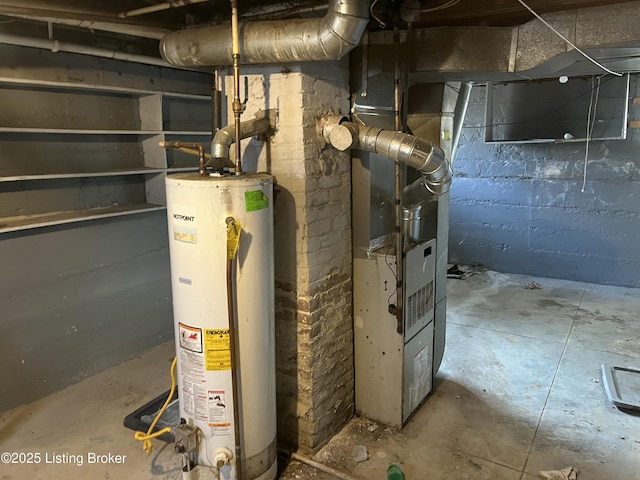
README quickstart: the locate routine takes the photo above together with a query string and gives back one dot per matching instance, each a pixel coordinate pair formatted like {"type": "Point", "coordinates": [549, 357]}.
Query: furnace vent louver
{"type": "Point", "coordinates": [419, 305]}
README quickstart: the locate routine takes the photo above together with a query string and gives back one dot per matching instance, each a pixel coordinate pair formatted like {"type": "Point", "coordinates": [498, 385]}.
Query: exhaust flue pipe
{"type": "Point", "coordinates": [226, 136]}
{"type": "Point", "coordinates": [326, 38]}
{"type": "Point", "coordinates": [399, 147]}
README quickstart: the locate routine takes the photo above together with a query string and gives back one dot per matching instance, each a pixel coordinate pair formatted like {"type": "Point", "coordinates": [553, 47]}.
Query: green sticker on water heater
{"type": "Point", "coordinates": [255, 200]}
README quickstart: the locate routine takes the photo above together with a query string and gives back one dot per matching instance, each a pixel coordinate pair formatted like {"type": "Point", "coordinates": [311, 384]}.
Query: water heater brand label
{"type": "Point", "coordinates": [183, 222]}
{"type": "Point", "coordinates": [184, 218]}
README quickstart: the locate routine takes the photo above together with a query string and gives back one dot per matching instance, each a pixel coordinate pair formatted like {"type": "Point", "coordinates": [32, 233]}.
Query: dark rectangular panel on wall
{"type": "Point", "coordinates": [548, 110]}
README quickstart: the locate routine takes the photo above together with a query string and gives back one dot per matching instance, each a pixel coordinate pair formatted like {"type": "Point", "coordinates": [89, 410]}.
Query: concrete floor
{"type": "Point", "coordinates": [519, 391]}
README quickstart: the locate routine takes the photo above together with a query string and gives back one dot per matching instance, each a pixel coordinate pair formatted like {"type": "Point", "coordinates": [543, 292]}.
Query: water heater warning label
{"type": "Point", "coordinates": [190, 338]}
{"type": "Point", "coordinates": [218, 413]}
{"type": "Point", "coordinates": [217, 349]}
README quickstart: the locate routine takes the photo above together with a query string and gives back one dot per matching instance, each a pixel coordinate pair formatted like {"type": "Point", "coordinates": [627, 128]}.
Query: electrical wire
{"type": "Point", "coordinates": [395, 275]}
{"type": "Point", "coordinates": [591, 121]}
{"type": "Point", "coordinates": [380, 22]}
{"type": "Point", "coordinates": [146, 438]}
{"type": "Point", "coordinates": [592, 60]}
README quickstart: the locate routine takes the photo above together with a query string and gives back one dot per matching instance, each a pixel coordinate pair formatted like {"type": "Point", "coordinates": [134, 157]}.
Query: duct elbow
{"type": "Point", "coordinates": [225, 137]}
{"type": "Point", "coordinates": [402, 148]}
{"type": "Point", "coordinates": [417, 153]}
{"type": "Point", "coordinates": [343, 28]}
{"type": "Point", "coordinates": [430, 160]}
{"type": "Point", "coordinates": [221, 142]}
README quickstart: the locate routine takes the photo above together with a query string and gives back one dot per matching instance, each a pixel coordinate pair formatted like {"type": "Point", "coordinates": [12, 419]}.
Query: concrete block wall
{"type": "Point", "coordinates": [520, 208]}
{"type": "Point", "coordinates": [314, 333]}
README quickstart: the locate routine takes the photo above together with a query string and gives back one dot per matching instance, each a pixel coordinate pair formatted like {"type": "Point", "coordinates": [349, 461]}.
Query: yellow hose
{"type": "Point", "coordinates": [147, 437]}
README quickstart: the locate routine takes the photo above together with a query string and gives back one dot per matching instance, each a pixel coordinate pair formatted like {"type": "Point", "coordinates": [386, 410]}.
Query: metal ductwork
{"type": "Point", "coordinates": [326, 38]}
{"type": "Point", "coordinates": [226, 136]}
{"type": "Point", "coordinates": [401, 148]}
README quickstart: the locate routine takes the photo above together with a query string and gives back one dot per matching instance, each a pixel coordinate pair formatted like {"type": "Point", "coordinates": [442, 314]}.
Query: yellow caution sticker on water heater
{"type": "Point", "coordinates": [217, 349]}
{"type": "Point", "coordinates": [233, 238]}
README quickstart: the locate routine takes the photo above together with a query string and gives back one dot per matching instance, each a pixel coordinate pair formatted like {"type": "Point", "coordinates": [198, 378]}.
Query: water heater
{"type": "Point", "coordinates": [199, 209]}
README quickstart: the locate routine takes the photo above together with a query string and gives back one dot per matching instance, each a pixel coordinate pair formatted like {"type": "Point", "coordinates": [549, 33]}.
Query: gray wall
{"type": "Point", "coordinates": [79, 298]}
{"type": "Point", "coordinates": [519, 207]}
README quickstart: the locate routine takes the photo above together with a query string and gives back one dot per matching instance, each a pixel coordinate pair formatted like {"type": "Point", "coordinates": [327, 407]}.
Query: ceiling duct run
{"type": "Point", "coordinates": [294, 40]}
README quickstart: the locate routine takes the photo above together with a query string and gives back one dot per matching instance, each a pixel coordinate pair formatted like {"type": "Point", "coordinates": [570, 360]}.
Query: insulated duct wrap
{"type": "Point", "coordinates": [326, 38]}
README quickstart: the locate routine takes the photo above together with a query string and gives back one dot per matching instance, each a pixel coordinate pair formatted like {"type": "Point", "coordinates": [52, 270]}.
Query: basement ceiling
{"type": "Point", "coordinates": [107, 14]}
{"type": "Point", "coordinates": [120, 25]}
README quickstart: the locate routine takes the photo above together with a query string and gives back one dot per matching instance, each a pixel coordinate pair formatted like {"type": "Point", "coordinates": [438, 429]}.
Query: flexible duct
{"type": "Point", "coordinates": [326, 38]}
{"type": "Point", "coordinates": [402, 148]}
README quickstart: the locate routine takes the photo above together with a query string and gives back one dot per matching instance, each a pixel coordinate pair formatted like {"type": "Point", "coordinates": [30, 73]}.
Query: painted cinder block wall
{"type": "Point", "coordinates": [519, 208]}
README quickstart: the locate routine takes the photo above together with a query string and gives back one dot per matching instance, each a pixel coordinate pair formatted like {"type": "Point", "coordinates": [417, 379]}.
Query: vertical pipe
{"type": "Point", "coordinates": [233, 346]}
{"type": "Point", "coordinates": [459, 113]}
{"type": "Point", "coordinates": [399, 170]}
{"type": "Point", "coordinates": [405, 77]}
{"type": "Point", "coordinates": [216, 105]}
{"type": "Point", "coordinates": [237, 105]}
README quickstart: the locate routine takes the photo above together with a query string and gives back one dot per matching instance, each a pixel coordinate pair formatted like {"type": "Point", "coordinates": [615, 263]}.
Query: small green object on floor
{"type": "Point", "coordinates": [394, 472]}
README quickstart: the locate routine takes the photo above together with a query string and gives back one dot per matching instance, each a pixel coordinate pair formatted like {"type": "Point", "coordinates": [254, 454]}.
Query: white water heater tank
{"type": "Point", "coordinates": [198, 208]}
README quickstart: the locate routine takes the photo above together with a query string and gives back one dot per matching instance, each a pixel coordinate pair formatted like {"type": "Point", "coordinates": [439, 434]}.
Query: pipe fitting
{"type": "Point", "coordinates": [174, 144]}
{"type": "Point", "coordinates": [332, 127]}
{"type": "Point", "coordinates": [221, 457]}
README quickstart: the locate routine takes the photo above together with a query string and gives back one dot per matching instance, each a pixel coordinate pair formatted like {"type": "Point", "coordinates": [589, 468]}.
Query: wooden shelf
{"type": "Point", "coordinates": [186, 132]}
{"type": "Point", "coordinates": [105, 137]}
{"type": "Point", "coordinates": [105, 173]}
{"type": "Point", "coordinates": [182, 169]}
{"type": "Point", "coordinates": [97, 88]}
{"type": "Point", "coordinates": [26, 222]}
{"type": "Point", "coordinates": [74, 131]}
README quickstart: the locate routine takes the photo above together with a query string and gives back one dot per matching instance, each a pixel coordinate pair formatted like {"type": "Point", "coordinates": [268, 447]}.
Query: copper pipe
{"type": "Point", "coordinates": [173, 144]}
{"type": "Point", "coordinates": [237, 105]}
